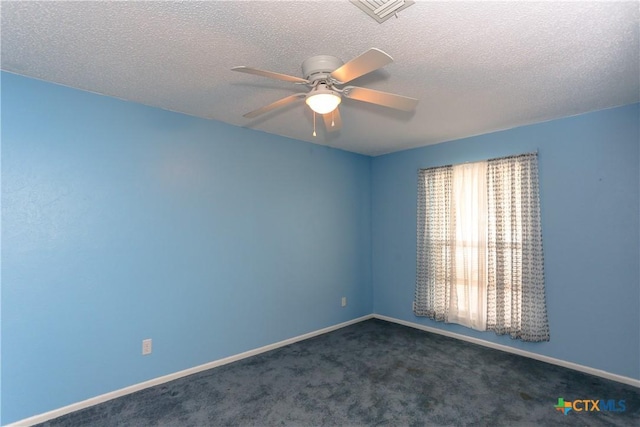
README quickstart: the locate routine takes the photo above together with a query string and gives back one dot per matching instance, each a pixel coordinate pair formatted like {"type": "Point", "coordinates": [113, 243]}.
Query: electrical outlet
{"type": "Point", "coordinates": [344, 301]}
{"type": "Point", "coordinates": [146, 347]}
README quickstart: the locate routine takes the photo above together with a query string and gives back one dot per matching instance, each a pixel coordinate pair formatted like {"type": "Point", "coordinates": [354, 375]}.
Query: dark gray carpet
{"type": "Point", "coordinates": [370, 373]}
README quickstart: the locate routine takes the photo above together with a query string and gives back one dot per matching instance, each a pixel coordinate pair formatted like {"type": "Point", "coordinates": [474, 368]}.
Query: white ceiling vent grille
{"type": "Point", "coordinates": [381, 10]}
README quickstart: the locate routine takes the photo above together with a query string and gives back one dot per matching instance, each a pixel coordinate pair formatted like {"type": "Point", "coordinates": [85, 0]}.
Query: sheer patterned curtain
{"type": "Point", "coordinates": [452, 231]}
{"type": "Point", "coordinates": [479, 254]}
{"type": "Point", "coordinates": [515, 279]}
{"type": "Point", "coordinates": [436, 226]}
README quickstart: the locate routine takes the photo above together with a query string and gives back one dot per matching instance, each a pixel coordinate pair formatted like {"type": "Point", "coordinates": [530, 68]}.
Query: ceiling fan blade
{"type": "Point", "coordinates": [369, 61]}
{"type": "Point", "coordinates": [269, 74]}
{"type": "Point", "coordinates": [386, 99]}
{"type": "Point", "coordinates": [332, 121]}
{"type": "Point", "coordinates": [278, 104]}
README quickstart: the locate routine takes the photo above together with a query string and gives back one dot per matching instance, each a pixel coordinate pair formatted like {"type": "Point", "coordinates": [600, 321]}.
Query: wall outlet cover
{"type": "Point", "coordinates": [146, 346]}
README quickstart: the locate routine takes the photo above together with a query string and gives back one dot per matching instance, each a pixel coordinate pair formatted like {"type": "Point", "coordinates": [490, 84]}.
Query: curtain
{"type": "Point", "coordinates": [515, 277]}
{"type": "Point", "coordinates": [452, 244]}
{"type": "Point", "coordinates": [479, 247]}
{"type": "Point", "coordinates": [435, 272]}
{"type": "Point", "coordinates": [469, 292]}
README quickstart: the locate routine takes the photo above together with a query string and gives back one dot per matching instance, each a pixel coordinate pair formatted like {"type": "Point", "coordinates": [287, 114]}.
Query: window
{"type": "Point", "coordinates": [479, 255]}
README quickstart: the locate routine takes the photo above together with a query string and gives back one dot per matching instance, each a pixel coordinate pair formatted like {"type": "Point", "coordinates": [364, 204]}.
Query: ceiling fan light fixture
{"type": "Point", "coordinates": [323, 101]}
{"type": "Point", "coordinates": [325, 75]}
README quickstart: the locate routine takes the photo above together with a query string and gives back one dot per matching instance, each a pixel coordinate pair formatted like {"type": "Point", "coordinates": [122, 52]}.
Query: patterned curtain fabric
{"type": "Point", "coordinates": [436, 235]}
{"type": "Point", "coordinates": [515, 278]}
{"type": "Point", "coordinates": [512, 281]}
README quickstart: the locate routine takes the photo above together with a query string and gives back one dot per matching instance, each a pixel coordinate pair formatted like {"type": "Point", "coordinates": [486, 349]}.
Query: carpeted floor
{"type": "Point", "coordinates": [370, 373]}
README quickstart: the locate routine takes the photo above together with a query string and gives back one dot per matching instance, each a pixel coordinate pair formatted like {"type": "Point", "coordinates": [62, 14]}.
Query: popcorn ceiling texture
{"type": "Point", "coordinates": [476, 67]}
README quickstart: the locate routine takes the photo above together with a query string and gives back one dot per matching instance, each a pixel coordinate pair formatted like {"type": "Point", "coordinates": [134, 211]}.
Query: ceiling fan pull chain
{"type": "Point", "coordinates": [314, 123]}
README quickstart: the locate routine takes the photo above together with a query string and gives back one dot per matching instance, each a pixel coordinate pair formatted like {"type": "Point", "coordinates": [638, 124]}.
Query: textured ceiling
{"type": "Point", "coordinates": [476, 67]}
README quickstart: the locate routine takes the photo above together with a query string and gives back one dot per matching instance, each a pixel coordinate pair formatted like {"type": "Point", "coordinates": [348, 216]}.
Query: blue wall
{"type": "Point", "coordinates": [122, 222]}
{"type": "Point", "coordinates": [589, 201]}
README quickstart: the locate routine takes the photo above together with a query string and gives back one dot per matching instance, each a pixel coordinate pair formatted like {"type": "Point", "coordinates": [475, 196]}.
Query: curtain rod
{"type": "Point", "coordinates": [483, 160]}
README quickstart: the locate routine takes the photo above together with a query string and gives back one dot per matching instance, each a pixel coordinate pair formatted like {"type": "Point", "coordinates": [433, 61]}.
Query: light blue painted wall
{"type": "Point", "coordinates": [589, 186]}
{"type": "Point", "coordinates": [122, 222]}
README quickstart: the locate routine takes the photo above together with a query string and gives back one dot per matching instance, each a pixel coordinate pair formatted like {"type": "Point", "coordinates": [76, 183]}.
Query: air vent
{"type": "Point", "coordinates": [381, 10]}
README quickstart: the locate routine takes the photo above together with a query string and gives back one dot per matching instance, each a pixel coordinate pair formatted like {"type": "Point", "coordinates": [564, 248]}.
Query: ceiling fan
{"type": "Point", "coordinates": [323, 74]}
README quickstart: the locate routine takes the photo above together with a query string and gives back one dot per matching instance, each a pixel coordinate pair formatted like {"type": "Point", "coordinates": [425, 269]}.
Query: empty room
{"type": "Point", "coordinates": [337, 213]}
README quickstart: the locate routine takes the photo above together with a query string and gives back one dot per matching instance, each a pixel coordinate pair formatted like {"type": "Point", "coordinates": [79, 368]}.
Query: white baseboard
{"type": "Point", "coordinates": [586, 369]}
{"type": "Point", "coordinates": [36, 419]}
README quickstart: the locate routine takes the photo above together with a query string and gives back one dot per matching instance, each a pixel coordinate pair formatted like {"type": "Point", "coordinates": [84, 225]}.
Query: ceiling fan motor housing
{"type": "Point", "coordinates": [319, 67]}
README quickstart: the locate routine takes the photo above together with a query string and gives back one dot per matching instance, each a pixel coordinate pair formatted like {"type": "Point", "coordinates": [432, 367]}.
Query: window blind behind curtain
{"type": "Point", "coordinates": [479, 254]}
